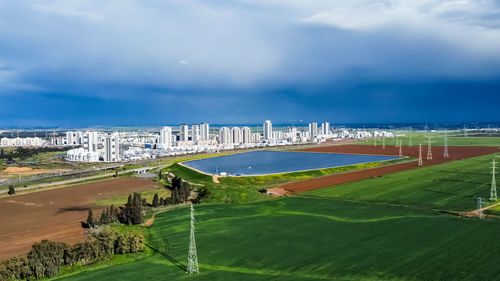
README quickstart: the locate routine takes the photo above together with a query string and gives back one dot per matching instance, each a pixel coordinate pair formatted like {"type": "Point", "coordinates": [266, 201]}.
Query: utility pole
{"type": "Point", "coordinates": [429, 149]}
{"type": "Point", "coordinates": [383, 142]}
{"type": "Point", "coordinates": [420, 162]}
{"type": "Point", "coordinates": [192, 255]}
{"type": "Point", "coordinates": [480, 213]}
{"type": "Point", "coordinates": [493, 190]}
{"type": "Point", "coordinates": [445, 154]}
{"type": "Point", "coordinates": [400, 149]}
{"type": "Point", "coordinates": [410, 144]}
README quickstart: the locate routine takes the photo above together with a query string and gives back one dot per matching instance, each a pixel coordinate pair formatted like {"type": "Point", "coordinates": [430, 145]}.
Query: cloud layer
{"type": "Point", "coordinates": [243, 61]}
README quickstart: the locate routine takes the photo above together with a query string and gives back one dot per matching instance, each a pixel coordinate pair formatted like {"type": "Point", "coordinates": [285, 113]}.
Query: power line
{"type": "Point", "coordinates": [493, 190]}
{"type": "Point", "coordinates": [192, 255]}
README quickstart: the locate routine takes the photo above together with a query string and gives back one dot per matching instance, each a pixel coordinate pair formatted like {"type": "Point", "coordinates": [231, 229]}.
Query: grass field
{"type": "Point", "coordinates": [317, 239]}
{"type": "Point", "coordinates": [449, 186]}
{"type": "Point", "coordinates": [437, 138]}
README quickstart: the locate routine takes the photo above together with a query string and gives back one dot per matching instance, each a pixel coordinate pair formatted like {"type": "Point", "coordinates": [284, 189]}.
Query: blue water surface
{"type": "Point", "coordinates": [274, 162]}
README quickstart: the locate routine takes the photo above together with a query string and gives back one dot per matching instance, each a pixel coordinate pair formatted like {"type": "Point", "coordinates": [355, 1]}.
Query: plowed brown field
{"type": "Point", "coordinates": [56, 214]}
{"type": "Point", "coordinates": [455, 152]}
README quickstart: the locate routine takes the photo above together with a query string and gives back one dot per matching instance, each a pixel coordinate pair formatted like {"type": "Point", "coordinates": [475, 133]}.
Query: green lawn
{"type": "Point", "coordinates": [317, 239]}
{"type": "Point", "coordinates": [437, 138]}
{"type": "Point", "coordinates": [449, 186]}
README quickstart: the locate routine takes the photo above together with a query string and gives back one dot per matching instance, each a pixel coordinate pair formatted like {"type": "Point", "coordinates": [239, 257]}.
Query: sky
{"type": "Point", "coordinates": [79, 63]}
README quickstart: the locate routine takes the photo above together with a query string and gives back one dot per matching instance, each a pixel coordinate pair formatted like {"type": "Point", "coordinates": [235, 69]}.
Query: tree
{"type": "Point", "coordinates": [45, 258]}
{"type": "Point", "coordinates": [90, 219]}
{"type": "Point", "coordinates": [155, 202]}
{"type": "Point", "coordinates": [12, 190]}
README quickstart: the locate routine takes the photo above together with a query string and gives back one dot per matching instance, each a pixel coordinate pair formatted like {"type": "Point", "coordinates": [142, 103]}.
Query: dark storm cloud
{"type": "Point", "coordinates": [158, 62]}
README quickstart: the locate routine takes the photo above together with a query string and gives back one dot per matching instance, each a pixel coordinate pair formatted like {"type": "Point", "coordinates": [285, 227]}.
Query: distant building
{"type": "Point", "coordinates": [184, 133]}
{"type": "Point", "coordinates": [325, 128]}
{"type": "Point", "coordinates": [225, 136]}
{"type": "Point", "coordinates": [166, 137]}
{"type": "Point", "coordinates": [245, 134]}
{"type": "Point", "coordinates": [204, 131]}
{"type": "Point", "coordinates": [236, 135]}
{"type": "Point", "coordinates": [195, 133]}
{"type": "Point", "coordinates": [313, 130]}
{"type": "Point", "coordinates": [268, 130]}
{"type": "Point", "coordinates": [255, 138]}
{"type": "Point", "coordinates": [112, 148]}
{"type": "Point", "coordinates": [90, 141]}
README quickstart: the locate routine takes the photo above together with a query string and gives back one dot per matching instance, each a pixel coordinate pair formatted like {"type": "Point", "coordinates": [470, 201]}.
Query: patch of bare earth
{"type": "Point", "coordinates": [56, 214]}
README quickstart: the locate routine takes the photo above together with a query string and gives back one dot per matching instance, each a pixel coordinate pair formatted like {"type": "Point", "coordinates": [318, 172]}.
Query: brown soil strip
{"type": "Point", "coordinates": [455, 152]}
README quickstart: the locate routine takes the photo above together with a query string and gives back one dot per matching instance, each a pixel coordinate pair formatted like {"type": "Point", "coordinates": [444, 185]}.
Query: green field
{"type": "Point", "coordinates": [385, 228]}
{"type": "Point", "coordinates": [437, 138]}
{"type": "Point", "coordinates": [449, 186]}
{"type": "Point", "coordinates": [317, 239]}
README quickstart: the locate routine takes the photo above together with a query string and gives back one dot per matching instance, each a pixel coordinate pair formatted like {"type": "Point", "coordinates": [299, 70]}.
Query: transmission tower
{"type": "Point", "coordinates": [192, 255]}
{"type": "Point", "coordinates": [410, 143]}
{"type": "Point", "coordinates": [493, 190]}
{"type": "Point", "coordinates": [383, 142]}
{"type": "Point", "coordinates": [446, 155]}
{"type": "Point", "coordinates": [420, 161]}
{"type": "Point", "coordinates": [429, 149]}
{"type": "Point", "coordinates": [480, 213]}
{"type": "Point", "coordinates": [400, 149]}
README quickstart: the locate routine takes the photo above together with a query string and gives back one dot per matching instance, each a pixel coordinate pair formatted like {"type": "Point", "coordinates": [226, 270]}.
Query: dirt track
{"type": "Point", "coordinates": [55, 214]}
{"type": "Point", "coordinates": [455, 152]}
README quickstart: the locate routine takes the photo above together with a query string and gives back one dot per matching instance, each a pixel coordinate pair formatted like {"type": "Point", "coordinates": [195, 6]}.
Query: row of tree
{"type": "Point", "coordinates": [25, 152]}
{"type": "Point", "coordinates": [180, 192]}
{"type": "Point", "coordinates": [46, 258]}
{"type": "Point", "coordinates": [131, 213]}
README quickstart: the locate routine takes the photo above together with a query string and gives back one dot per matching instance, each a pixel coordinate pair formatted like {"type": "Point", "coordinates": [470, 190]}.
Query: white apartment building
{"type": "Point", "coordinates": [325, 128]}
{"type": "Point", "coordinates": [236, 135]}
{"type": "Point", "coordinates": [166, 137]}
{"type": "Point", "coordinates": [268, 129]}
{"type": "Point", "coordinates": [204, 131]}
{"type": "Point", "coordinates": [90, 141]}
{"type": "Point", "coordinates": [112, 148]}
{"type": "Point", "coordinates": [184, 133]}
{"type": "Point", "coordinates": [195, 133]}
{"type": "Point", "coordinates": [245, 134]}
{"type": "Point", "coordinates": [225, 136]}
{"type": "Point", "coordinates": [313, 130]}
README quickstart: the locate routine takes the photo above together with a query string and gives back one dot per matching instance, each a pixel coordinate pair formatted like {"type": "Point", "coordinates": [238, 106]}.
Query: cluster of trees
{"type": "Point", "coordinates": [46, 258]}
{"type": "Point", "coordinates": [25, 152]}
{"type": "Point", "coordinates": [180, 192]}
{"type": "Point", "coordinates": [12, 190]}
{"type": "Point", "coordinates": [131, 213]}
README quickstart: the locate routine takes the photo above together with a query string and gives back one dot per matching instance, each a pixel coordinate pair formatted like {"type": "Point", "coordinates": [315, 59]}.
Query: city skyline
{"type": "Point", "coordinates": [81, 64]}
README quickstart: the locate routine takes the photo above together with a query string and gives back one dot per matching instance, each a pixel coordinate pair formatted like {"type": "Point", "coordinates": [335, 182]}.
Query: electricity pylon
{"type": "Point", "coordinates": [480, 213]}
{"type": "Point", "coordinates": [493, 190]}
{"type": "Point", "coordinates": [192, 255]}
{"type": "Point", "coordinates": [383, 142]}
{"type": "Point", "coordinates": [445, 154]}
{"type": "Point", "coordinates": [420, 162]}
{"type": "Point", "coordinates": [400, 149]}
{"type": "Point", "coordinates": [410, 143]}
{"type": "Point", "coordinates": [429, 149]}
